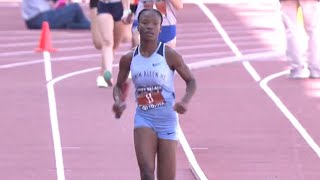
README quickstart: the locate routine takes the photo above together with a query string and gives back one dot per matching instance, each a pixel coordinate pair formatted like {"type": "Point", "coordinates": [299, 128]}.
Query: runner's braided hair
{"type": "Point", "coordinates": [154, 10]}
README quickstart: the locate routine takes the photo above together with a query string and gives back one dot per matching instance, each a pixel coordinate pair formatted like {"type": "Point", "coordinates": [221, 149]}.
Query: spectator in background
{"type": "Point", "coordinates": [113, 17]}
{"type": "Point", "coordinates": [310, 11]}
{"type": "Point", "coordinates": [102, 39]}
{"type": "Point", "coordinates": [59, 16]}
{"type": "Point", "coordinates": [95, 33]}
{"type": "Point", "coordinates": [168, 10]}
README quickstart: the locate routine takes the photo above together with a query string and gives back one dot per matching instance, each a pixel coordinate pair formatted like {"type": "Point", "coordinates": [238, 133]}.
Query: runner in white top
{"type": "Point", "coordinates": [168, 10]}
{"type": "Point", "coordinates": [110, 23]}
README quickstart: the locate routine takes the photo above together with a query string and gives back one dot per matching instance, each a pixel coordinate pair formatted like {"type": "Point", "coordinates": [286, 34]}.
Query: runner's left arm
{"type": "Point", "coordinates": [177, 63]}
{"type": "Point", "coordinates": [177, 4]}
{"type": "Point", "coordinates": [124, 70]}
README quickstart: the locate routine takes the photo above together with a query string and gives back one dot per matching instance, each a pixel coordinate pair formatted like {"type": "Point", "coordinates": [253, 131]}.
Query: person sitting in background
{"type": "Point", "coordinates": [69, 16]}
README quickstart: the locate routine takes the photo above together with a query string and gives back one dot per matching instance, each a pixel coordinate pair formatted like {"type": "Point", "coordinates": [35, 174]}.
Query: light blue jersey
{"type": "Point", "coordinates": [154, 92]}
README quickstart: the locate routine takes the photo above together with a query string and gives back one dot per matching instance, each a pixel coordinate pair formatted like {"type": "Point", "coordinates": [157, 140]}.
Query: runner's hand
{"type": "Point", "coordinates": [118, 108]}
{"type": "Point", "coordinates": [180, 107]}
{"type": "Point", "coordinates": [127, 17]}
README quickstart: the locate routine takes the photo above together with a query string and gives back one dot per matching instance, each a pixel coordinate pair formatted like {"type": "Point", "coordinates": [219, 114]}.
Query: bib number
{"type": "Point", "coordinates": [150, 99]}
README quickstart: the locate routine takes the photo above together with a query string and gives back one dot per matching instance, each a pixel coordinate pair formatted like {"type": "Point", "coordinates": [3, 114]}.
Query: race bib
{"type": "Point", "coordinates": [150, 97]}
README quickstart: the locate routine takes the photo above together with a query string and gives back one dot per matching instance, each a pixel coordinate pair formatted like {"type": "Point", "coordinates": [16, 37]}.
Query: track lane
{"type": "Point", "coordinates": [201, 151]}
{"type": "Point", "coordinates": [26, 148]}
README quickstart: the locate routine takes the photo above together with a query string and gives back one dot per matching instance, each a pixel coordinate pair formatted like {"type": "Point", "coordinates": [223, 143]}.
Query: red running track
{"type": "Point", "coordinates": [236, 127]}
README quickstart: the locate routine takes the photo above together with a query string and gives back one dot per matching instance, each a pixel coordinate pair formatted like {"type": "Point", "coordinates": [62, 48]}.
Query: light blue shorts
{"type": "Point", "coordinates": [163, 127]}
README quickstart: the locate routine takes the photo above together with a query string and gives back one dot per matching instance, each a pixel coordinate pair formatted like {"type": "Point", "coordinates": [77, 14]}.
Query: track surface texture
{"type": "Point", "coordinates": [247, 120]}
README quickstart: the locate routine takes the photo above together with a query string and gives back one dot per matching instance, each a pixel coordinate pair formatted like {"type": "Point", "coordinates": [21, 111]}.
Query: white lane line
{"type": "Point", "coordinates": [125, 46]}
{"type": "Point", "coordinates": [190, 155]}
{"type": "Point", "coordinates": [55, 125]}
{"type": "Point", "coordinates": [191, 25]}
{"type": "Point", "coordinates": [18, 53]}
{"type": "Point", "coordinates": [294, 121]}
{"type": "Point", "coordinates": [35, 43]}
{"type": "Point", "coordinates": [212, 42]}
{"type": "Point", "coordinates": [47, 65]}
{"type": "Point", "coordinates": [87, 39]}
{"type": "Point", "coordinates": [18, 64]}
{"type": "Point", "coordinates": [249, 57]}
{"type": "Point", "coordinates": [206, 43]}
{"type": "Point", "coordinates": [194, 166]}
{"type": "Point", "coordinates": [184, 37]}
{"type": "Point", "coordinates": [29, 36]}
{"type": "Point", "coordinates": [53, 117]}
{"type": "Point", "coordinates": [55, 132]}
{"type": "Point", "coordinates": [228, 41]}
{"type": "Point", "coordinates": [255, 75]}
{"type": "Point", "coordinates": [252, 56]}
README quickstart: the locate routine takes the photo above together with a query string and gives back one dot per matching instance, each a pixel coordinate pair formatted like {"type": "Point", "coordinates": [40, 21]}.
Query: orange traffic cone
{"type": "Point", "coordinates": [45, 39]}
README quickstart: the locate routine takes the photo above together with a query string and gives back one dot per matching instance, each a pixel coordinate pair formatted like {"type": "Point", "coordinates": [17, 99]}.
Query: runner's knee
{"type": "Point", "coordinates": [147, 174]}
{"type": "Point", "coordinates": [106, 43]}
{"type": "Point", "coordinates": [97, 45]}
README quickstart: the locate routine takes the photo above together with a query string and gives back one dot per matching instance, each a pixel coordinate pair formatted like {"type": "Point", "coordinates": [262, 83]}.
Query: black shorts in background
{"type": "Point", "coordinates": [133, 7]}
{"type": "Point", "coordinates": [93, 3]}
